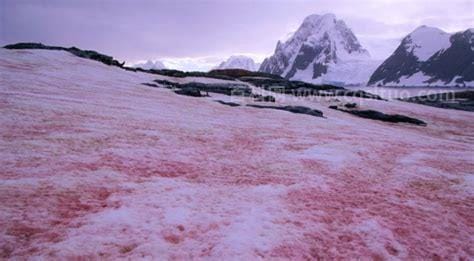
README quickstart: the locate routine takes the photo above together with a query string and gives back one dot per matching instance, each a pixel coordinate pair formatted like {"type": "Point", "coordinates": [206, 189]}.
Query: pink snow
{"type": "Point", "coordinates": [96, 165]}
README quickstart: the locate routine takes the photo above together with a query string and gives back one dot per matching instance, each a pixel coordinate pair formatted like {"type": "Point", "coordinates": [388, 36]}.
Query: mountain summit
{"type": "Point", "coordinates": [239, 62]}
{"type": "Point", "coordinates": [316, 52]}
{"type": "Point", "coordinates": [429, 57]}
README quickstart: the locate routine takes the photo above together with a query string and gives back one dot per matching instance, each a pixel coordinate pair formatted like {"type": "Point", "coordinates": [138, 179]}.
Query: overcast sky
{"type": "Point", "coordinates": [198, 34]}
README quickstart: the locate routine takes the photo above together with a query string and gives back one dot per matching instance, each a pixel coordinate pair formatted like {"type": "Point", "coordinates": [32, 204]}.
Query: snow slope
{"type": "Point", "coordinates": [239, 62]}
{"type": "Point", "coordinates": [97, 166]}
{"type": "Point", "coordinates": [346, 73]}
{"type": "Point", "coordinates": [426, 41]}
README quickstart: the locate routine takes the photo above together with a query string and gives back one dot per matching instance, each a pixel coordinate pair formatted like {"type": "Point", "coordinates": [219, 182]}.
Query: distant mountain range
{"type": "Point", "coordinates": [429, 57]}
{"type": "Point", "coordinates": [239, 62]}
{"type": "Point", "coordinates": [157, 65]}
{"type": "Point", "coordinates": [325, 50]}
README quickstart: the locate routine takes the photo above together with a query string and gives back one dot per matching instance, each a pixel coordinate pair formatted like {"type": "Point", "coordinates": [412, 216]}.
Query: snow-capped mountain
{"type": "Point", "coordinates": [429, 57]}
{"type": "Point", "coordinates": [157, 65]}
{"type": "Point", "coordinates": [323, 49]}
{"type": "Point", "coordinates": [239, 62]}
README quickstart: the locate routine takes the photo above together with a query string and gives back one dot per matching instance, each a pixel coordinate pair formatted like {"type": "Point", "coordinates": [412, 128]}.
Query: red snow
{"type": "Point", "coordinates": [96, 165]}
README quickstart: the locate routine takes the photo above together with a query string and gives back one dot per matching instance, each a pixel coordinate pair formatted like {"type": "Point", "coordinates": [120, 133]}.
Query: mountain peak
{"type": "Point", "coordinates": [238, 62]}
{"type": "Point", "coordinates": [424, 29]}
{"type": "Point", "coordinates": [316, 18]}
{"type": "Point", "coordinates": [314, 23]}
{"type": "Point", "coordinates": [425, 41]}
{"type": "Point", "coordinates": [320, 42]}
{"type": "Point", "coordinates": [428, 56]}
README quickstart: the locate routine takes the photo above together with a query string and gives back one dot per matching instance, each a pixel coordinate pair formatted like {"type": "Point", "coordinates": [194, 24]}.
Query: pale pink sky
{"type": "Point", "coordinates": [198, 34]}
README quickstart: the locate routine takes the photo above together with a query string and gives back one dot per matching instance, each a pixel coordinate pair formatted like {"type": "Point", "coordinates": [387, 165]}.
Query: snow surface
{"type": "Point", "coordinates": [426, 41]}
{"type": "Point", "coordinates": [239, 62]}
{"type": "Point", "coordinates": [420, 79]}
{"type": "Point", "coordinates": [97, 166]}
{"type": "Point", "coordinates": [351, 72]}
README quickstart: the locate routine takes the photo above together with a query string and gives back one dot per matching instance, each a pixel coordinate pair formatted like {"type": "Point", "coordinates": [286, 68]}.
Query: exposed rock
{"type": "Point", "coordinates": [237, 73]}
{"type": "Point", "coordinates": [235, 89]}
{"type": "Point", "coordinates": [151, 85]}
{"type": "Point", "coordinates": [231, 104]}
{"type": "Point", "coordinates": [452, 100]}
{"type": "Point", "coordinates": [88, 54]}
{"type": "Point", "coordinates": [351, 93]}
{"type": "Point", "coordinates": [350, 105]}
{"type": "Point", "coordinates": [231, 89]}
{"type": "Point", "coordinates": [261, 98]}
{"type": "Point", "coordinates": [181, 74]}
{"type": "Point", "coordinates": [167, 84]}
{"type": "Point", "coordinates": [376, 115]}
{"type": "Point", "coordinates": [293, 109]}
{"type": "Point", "coordinates": [303, 89]}
{"type": "Point", "coordinates": [288, 86]}
{"type": "Point", "coordinates": [189, 91]}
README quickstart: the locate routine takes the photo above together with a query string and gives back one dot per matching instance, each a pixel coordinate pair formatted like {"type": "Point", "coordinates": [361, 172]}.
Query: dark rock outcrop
{"type": "Point", "coordinates": [303, 89]}
{"type": "Point", "coordinates": [400, 63]}
{"type": "Point", "coordinates": [350, 105]}
{"type": "Point", "coordinates": [167, 84]}
{"type": "Point", "coordinates": [235, 89]}
{"type": "Point", "coordinates": [151, 85]}
{"type": "Point", "coordinates": [189, 91]}
{"type": "Point", "coordinates": [293, 109]}
{"type": "Point", "coordinates": [457, 61]}
{"type": "Point", "coordinates": [451, 100]}
{"type": "Point", "coordinates": [231, 104]}
{"type": "Point", "coordinates": [231, 89]}
{"type": "Point", "coordinates": [238, 73]}
{"type": "Point", "coordinates": [261, 98]}
{"type": "Point", "coordinates": [88, 54]}
{"type": "Point", "coordinates": [380, 116]}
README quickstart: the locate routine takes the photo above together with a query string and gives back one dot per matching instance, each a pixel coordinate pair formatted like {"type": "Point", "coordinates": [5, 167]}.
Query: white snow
{"type": "Point", "coordinates": [419, 79]}
{"type": "Point", "coordinates": [350, 72]}
{"type": "Point", "coordinates": [96, 165]}
{"type": "Point", "coordinates": [426, 41]}
{"type": "Point", "coordinates": [416, 79]}
{"type": "Point", "coordinates": [239, 62]}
